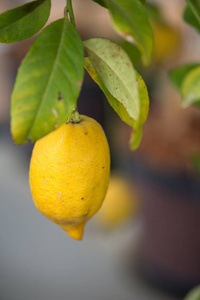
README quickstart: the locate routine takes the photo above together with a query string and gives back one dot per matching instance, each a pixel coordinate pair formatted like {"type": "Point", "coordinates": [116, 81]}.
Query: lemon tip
{"type": "Point", "coordinates": [75, 232]}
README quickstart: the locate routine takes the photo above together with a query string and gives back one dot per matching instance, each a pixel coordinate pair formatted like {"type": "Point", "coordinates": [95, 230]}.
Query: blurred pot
{"type": "Point", "coordinates": [170, 245]}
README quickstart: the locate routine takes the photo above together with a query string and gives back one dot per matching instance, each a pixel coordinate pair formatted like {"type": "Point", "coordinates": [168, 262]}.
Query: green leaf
{"type": "Point", "coordinates": [153, 12]}
{"type": "Point", "coordinates": [120, 108]}
{"type": "Point", "coordinates": [24, 21]}
{"type": "Point", "coordinates": [133, 53]}
{"type": "Point", "coordinates": [144, 109]}
{"type": "Point", "coordinates": [192, 13]}
{"type": "Point", "coordinates": [100, 2]}
{"type": "Point", "coordinates": [116, 105]}
{"type": "Point", "coordinates": [116, 72]}
{"type": "Point", "coordinates": [190, 90]}
{"type": "Point", "coordinates": [194, 294]}
{"type": "Point", "coordinates": [189, 18]}
{"type": "Point", "coordinates": [131, 21]}
{"type": "Point", "coordinates": [178, 74]}
{"type": "Point", "coordinates": [48, 82]}
{"type": "Point", "coordinates": [195, 160]}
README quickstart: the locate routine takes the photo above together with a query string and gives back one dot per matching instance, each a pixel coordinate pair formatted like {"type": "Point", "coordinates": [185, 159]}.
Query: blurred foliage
{"type": "Point", "coordinates": [194, 294]}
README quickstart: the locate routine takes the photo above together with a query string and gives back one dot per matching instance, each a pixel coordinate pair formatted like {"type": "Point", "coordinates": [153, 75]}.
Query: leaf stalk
{"type": "Point", "coordinates": [69, 13]}
{"type": "Point", "coordinates": [75, 117]}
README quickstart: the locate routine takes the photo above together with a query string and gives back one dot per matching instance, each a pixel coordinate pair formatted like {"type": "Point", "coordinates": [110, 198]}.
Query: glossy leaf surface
{"type": "Point", "coordinates": [24, 21]}
{"type": "Point", "coordinates": [48, 82]}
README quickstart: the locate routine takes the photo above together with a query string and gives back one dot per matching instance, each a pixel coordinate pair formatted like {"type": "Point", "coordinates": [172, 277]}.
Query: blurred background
{"type": "Point", "coordinates": [144, 243]}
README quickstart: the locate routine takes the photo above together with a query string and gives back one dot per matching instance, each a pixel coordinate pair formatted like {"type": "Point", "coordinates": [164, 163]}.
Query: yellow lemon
{"type": "Point", "coordinates": [69, 174]}
{"type": "Point", "coordinates": [121, 202]}
{"type": "Point", "coordinates": [166, 42]}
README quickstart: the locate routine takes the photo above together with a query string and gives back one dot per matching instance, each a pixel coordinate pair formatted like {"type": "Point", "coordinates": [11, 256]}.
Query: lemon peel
{"type": "Point", "coordinates": [69, 174]}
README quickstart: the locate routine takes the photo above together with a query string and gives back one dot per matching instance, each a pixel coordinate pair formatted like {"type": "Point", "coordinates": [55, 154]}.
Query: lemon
{"type": "Point", "coordinates": [69, 174]}
{"type": "Point", "coordinates": [121, 202]}
{"type": "Point", "coordinates": [166, 42]}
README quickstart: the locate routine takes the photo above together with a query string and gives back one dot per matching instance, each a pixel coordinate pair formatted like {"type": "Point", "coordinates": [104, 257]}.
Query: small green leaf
{"type": "Point", "coordinates": [24, 21]}
{"type": "Point", "coordinates": [192, 13]}
{"type": "Point", "coordinates": [116, 72]}
{"type": "Point", "coordinates": [194, 294]}
{"type": "Point", "coordinates": [48, 82]}
{"type": "Point", "coordinates": [178, 74]}
{"type": "Point", "coordinates": [131, 21]}
{"type": "Point", "coordinates": [190, 90]}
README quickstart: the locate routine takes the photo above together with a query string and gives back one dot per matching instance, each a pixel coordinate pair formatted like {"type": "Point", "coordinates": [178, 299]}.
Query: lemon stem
{"type": "Point", "coordinates": [75, 117]}
{"type": "Point", "coordinates": [68, 12]}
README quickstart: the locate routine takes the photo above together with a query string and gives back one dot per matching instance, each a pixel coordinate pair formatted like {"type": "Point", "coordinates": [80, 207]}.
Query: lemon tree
{"type": "Point", "coordinates": [51, 75]}
{"type": "Point", "coordinates": [70, 164]}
